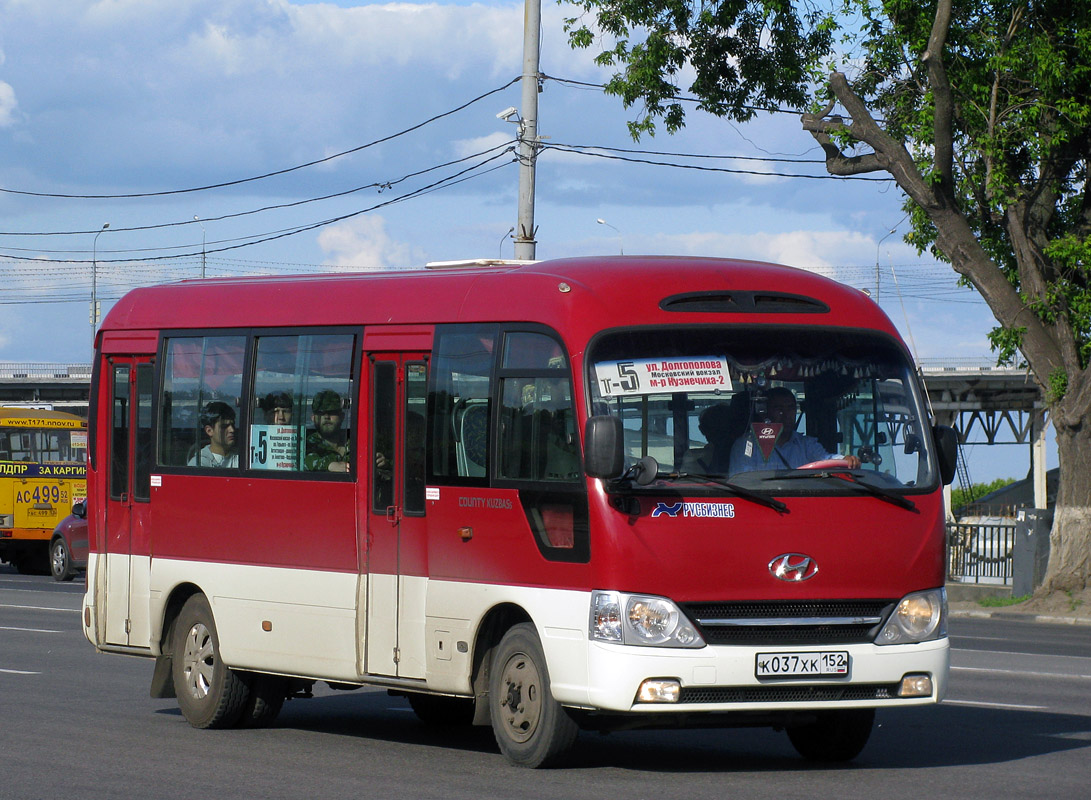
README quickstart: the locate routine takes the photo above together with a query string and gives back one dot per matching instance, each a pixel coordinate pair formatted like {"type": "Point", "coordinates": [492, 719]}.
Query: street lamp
{"type": "Point", "coordinates": [889, 233]}
{"type": "Point", "coordinates": [620, 248]}
{"type": "Point", "coordinates": [94, 282]}
{"type": "Point", "coordinates": [503, 239]}
{"type": "Point", "coordinates": [198, 221]}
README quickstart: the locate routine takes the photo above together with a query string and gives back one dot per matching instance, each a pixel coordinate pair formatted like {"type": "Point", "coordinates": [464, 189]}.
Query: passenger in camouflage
{"type": "Point", "coordinates": [328, 447]}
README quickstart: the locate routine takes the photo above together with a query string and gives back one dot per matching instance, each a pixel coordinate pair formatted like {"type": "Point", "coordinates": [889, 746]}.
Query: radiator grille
{"type": "Point", "coordinates": [811, 622]}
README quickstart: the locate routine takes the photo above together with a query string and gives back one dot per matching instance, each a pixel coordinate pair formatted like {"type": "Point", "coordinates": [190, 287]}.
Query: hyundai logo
{"type": "Point", "coordinates": [793, 567]}
{"type": "Point", "coordinates": [767, 431]}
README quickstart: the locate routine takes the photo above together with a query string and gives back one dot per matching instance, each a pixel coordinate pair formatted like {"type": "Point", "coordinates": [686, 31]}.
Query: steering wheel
{"type": "Point", "coordinates": [827, 463]}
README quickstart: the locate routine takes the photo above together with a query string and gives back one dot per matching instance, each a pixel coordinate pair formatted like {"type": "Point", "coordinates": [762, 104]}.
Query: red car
{"type": "Point", "coordinates": [68, 547]}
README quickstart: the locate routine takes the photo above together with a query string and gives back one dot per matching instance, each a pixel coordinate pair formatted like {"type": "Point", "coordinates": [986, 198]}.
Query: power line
{"type": "Point", "coordinates": [381, 185]}
{"type": "Point", "coordinates": [678, 97]}
{"type": "Point", "coordinates": [584, 150]}
{"type": "Point", "coordinates": [254, 239]}
{"type": "Point", "coordinates": [266, 175]}
{"type": "Point", "coordinates": [709, 156]}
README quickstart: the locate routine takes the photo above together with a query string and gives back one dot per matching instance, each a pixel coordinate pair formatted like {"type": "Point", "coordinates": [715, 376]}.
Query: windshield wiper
{"type": "Point", "coordinates": [747, 494]}
{"type": "Point", "coordinates": [875, 491]}
{"type": "Point", "coordinates": [645, 471]}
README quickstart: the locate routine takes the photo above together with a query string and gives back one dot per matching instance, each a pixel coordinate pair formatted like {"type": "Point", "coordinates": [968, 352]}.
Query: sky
{"type": "Point", "coordinates": [124, 112]}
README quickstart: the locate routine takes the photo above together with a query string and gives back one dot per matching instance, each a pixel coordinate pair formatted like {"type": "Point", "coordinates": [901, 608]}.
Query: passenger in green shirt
{"type": "Point", "coordinates": [328, 448]}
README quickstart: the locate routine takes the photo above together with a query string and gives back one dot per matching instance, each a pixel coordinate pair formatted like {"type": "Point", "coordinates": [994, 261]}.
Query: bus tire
{"type": "Point", "coordinates": [834, 735]}
{"type": "Point", "coordinates": [210, 694]}
{"type": "Point", "coordinates": [60, 562]}
{"type": "Point", "coordinates": [267, 695]}
{"type": "Point", "coordinates": [531, 728]}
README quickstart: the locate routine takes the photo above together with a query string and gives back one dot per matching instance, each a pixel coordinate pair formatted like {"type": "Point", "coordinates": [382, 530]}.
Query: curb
{"type": "Point", "coordinates": [1011, 616]}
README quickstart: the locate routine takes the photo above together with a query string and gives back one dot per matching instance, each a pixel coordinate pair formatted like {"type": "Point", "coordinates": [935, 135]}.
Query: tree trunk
{"type": "Point", "coordinates": [1070, 539]}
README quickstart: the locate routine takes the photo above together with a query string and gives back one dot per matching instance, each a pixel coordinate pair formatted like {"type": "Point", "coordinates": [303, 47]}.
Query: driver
{"type": "Point", "coordinates": [792, 449]}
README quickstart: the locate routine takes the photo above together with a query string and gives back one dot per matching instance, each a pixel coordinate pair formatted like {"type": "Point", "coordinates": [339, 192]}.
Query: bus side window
{"type": "Point", "coordinates": [458, 403]}
{"type": "Point", "coordinates": [202, 380]}
{"type": "Point", "coordinates": [537, 430]}
{"type": "Point", "coordinates": [302, 383]}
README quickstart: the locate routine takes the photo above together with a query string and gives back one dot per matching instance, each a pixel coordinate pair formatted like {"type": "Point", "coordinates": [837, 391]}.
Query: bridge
{"type": "Point", "coordinates": [999, 405]}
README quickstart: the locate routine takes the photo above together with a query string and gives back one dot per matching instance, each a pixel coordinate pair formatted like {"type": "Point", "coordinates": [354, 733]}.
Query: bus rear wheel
{"type": "Point", "coordinates": [834, 735]}
{"type": "Point", "coordinates": [210, 694]}
{"type": "Point", "coordinates": [531, 728]}
{"type": "Point", "coordinates": [267, 695]}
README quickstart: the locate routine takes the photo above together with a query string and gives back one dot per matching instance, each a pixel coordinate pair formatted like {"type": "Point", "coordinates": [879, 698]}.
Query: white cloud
{"type": "Point", "coordinates": [817, 251]}
{"type": "Point", "coordinates": [7, 104]}
{"type": "Point", "coordinates": [479, 144]}
{"type": "Point", "coordinates": [364, 244]}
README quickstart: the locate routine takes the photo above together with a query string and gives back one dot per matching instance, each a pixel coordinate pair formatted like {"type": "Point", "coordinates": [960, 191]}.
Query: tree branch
{"type": "Point", "coordinates": [955, 237]}
{"type": "Point", "coordinates": [943, 141]}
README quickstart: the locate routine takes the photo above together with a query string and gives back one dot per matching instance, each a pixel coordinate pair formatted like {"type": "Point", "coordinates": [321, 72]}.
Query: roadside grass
{"type": "Point", "coordinates": [1073, 602]}
{"type": "Point", "coordinates": [1002, 602]}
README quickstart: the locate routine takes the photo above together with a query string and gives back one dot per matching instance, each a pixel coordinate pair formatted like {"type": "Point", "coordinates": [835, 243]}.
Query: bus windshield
{"type": "Point", "coordinates": [755, 405]}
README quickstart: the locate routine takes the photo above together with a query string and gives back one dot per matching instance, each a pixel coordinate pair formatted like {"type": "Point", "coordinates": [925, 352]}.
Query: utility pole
{"type": "Point", "coordinates": [198, 221]}
{"type": "Point", "coordinates": [528, 130]}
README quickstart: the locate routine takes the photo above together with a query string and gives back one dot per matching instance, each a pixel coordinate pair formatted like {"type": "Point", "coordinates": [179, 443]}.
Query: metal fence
{"type": "Point", "coordinates": [980, 552]}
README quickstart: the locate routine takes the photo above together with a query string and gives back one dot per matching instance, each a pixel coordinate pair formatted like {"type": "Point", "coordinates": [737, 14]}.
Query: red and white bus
{"type": "Point", "coordinates": [543, 497]}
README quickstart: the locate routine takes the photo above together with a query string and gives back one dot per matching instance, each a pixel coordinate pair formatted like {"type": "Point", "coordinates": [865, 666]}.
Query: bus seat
{"type": "Point", "coordinates": [471, 436]}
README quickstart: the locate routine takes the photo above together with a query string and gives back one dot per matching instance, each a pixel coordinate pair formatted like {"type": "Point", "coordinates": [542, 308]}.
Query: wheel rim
{"type": "Point", "coordinates": [521, 697]}
{"type": "Point", "coordinates": [60, 557]}
{"type": "Point", "coordinates": [198, 661]}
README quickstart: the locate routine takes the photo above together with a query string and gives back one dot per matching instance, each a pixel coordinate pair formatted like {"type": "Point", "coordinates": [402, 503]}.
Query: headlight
{"type": "Point", "coordinates": [919, 617]}
{"type": "Point", "coordinates": [640, 619]}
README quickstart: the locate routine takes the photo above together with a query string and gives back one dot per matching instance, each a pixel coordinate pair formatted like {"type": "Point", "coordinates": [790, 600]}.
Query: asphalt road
{"type": "Point", "coordinates": [73, 723]}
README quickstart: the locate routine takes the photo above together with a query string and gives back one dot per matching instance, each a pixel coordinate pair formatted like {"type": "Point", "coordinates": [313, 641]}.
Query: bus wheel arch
{"type": "Point", "coordinates": [493, 626]}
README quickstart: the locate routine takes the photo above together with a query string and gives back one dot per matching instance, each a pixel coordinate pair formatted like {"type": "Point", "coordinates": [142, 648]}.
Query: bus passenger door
{"type": "Point", "coordinates": [396, 536]}
{"type": "Point", "coordinates": [126, 540]}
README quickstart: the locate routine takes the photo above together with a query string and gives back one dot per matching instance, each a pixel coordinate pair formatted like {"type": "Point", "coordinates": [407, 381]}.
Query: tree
{"type": "Point", "coordinates": [980, 110]}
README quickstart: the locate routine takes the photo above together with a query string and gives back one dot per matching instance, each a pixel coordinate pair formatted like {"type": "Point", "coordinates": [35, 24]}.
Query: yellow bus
{"type": "Point", "coordinates": [43, 472]}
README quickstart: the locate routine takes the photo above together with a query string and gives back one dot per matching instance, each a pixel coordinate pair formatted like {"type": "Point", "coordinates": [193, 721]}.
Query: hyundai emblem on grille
{"type": "Point", "coordinates": [793, 567]}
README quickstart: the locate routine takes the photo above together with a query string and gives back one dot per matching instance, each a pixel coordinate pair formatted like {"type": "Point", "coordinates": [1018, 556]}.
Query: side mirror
{"type": "Point", "coordinates": [947, 451]}
{"type": "Point", "coordinates": [603, 453]}
{"type": "Point", "coordinates": [80, 509]}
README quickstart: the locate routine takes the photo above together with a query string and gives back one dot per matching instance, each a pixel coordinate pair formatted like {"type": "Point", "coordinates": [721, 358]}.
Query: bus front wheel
{"type": "Point", "coordinates": [834, 735]}
{"type": "Point", "coordinates": [210, 694]}
{"type": "Point", "coordinates": [531, 728]}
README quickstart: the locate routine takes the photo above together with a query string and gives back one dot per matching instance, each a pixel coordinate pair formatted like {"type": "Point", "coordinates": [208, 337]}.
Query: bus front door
{"type": "Point", "coordinates": [125, 544]}
{"type": "Point", "coordinates": [396, 545]}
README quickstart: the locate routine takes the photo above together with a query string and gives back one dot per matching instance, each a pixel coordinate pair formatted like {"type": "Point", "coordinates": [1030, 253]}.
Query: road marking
{"type": "Point", "coordinates": [1012, 653]}
{"type": "Point", "coordinates": [58, 590]}
{"type": "Point", "coordinates": [28, 630]}
{"type": "Point", "coordinates": [1022, 672]}
{"type": "Point", "coordinates": [18, 672]}
{"type": "Point", "coordinates": [40, 608]}
{"type": "Point", "coordinates": [993, 705]}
